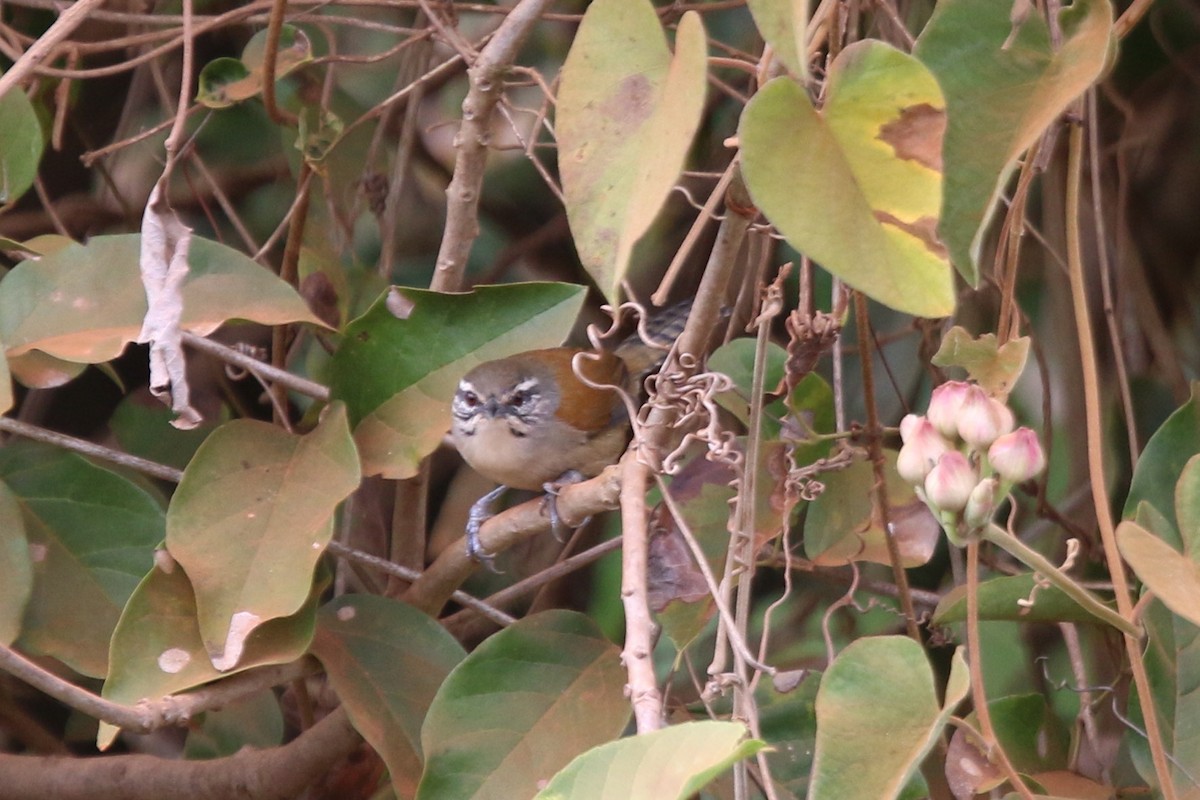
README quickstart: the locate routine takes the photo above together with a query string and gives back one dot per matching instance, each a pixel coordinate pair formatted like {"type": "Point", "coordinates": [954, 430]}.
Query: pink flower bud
{"type": "Point", "coordinates": [1017, 456]}
{"type": "Point", "coordinates": [981, 505]}
{"type": "Point", "coordinates": [910, 425]}
{"type": "Point", "coordinates": [950, 483]}
{"type": "Point", "coordinates": [981, 418]}
{"type": "Point", "coordinates": [923, 446]}
{"type": "Point", "coordinates": [944, 405]}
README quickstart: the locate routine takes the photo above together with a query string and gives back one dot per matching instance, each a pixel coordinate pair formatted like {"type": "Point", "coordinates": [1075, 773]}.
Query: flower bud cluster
{"type": "Point", "coordinates": [964, 455]}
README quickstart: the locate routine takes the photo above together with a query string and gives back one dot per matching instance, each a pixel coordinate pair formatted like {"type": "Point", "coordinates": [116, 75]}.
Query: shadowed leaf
{"type": "Point", "coordinates": [386, 660]}
{"type": "Point", "coordinates": [91, 537]}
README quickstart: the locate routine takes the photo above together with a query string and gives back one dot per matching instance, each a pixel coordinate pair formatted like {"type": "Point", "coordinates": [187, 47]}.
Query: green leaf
{"type": "Point", "coordinates": [225, 81]}
{"type": "Point", "coordinates": [781, 26]}
{"type": "Point", "coordinates": [1187, 507]}
{"type": "Point", "coordinates": [877, 717]}
{"type": "Point", "coordinates": [91, 538]}
{"type": "Point", "coordinates": [1163, 459]}
{"type": "Point", "coordinates": [1172, 659]}
{"type": "Point", "coordinates": [787, 719]}
{"type": "Point", "coordinates": [85, 303]}
{"type": "Point", "coordinates": [993, 366]}
{"type": "Point", "coordinates": [669, 764]}
{"type": "Point", "coordinates": [255, 721]}
{"type": "Point", "coordinates": [512, 714]}
{"type": "Point", "coordinates": [998, 600]}
{"type": "Point", "coordinates": [157, 649]}
{"type": "Point", "coordinates": [840, 526]}
{"type": "Point", "coordinates": [398, 370]}
{"type": "Point", "coordinates": [21, 144]}
{"type": "Point", "coordinates": [626, 115]}
{"type": "Point", "coordinates": [16, 571]}
{"type": "Point", "coordinates": [142, 427]}
{"type": "Point", "coordinates": [1034, 739]}
{"type": "Point", "coordinates": [1000, 99]}
{"type": "Point", "coordinates": [386, 660]}
{"type": "Point", "coordinates": [858, 187]}
{"type": "Point", "coordinates": [251, 517]}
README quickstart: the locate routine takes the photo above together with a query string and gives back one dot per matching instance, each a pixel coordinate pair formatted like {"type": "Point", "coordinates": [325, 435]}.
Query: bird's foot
{"type": "Point", "coordinates": [550, 502]}
{"type": "Point", "coordinates": [480, 513]}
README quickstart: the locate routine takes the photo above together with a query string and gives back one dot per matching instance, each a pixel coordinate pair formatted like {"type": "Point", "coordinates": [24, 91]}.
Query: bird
{"type": "Point", "coordinates": [527, 421]}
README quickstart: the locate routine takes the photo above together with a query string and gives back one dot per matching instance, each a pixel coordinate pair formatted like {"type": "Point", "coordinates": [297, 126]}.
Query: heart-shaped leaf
{"type": "Point", "coordinates": [400, 362]}
{"type": "Point", "coordinates": [857, 188]}
{"type": "Point", "coordinates": [626, 114]}
{"type": "Point", "coordinates": [225, 81]}
{"type": "Point", "coordinates": [841, 526]}
{"type": "Point", "coordinates": [251, 517]}
{"type": "Point", "coordinates": [877, 716]}
{"type": "Point", "coordinates": [1000, 96]}
{"type": "Point", "coordinates": [669, 764]}
{"type": "Point", "coordinates": [993, 366]}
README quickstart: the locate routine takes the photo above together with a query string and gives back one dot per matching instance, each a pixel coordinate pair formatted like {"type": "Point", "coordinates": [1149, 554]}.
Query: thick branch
{"type": "Point", "coordinates": [277, 774]}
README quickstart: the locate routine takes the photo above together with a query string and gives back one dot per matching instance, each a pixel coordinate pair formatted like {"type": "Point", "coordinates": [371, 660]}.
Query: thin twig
{"type": "Point", "coordinates": [84, 447]}
{"type": "Point", "coordinates": [534, 582]}
{"type": "Point", "coordinates": [993, 748]}
{"type": "Point", "coordinates": [874, 433]}
{"type": "Point", "coordinates": [412, 576]}
{"type": "Point", "coordinates": [262, 369]}
{"type": "Point", "coordinates": [41, 49]}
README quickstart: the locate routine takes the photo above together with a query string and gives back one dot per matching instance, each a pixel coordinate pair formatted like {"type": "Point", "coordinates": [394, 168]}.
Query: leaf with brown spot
{"type": "Point", "coordinates": [856, 187]}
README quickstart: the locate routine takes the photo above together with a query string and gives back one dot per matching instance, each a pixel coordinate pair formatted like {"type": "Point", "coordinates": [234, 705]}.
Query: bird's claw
{"type": "Point", "coordinates": [550, 501]}
{"type": "Point", "coordinates": [481, 512]}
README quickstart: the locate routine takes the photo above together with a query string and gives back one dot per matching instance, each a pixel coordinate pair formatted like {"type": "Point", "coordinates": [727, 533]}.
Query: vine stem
{"type": "Point", "coordinates": [1095, 454]}
{"type": "Point", "coordinates": [875, 447]}
{"type": "Point", "coordinates": [978, 690]}
{"type": "Point", "coordinates": [1039, 564]}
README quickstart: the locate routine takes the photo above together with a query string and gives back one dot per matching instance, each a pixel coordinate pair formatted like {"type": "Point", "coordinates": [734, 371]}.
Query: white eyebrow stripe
{"type": "Point", "coordinates": [526, 385]}
{"type": "Point", "coordinates": [466, 386]}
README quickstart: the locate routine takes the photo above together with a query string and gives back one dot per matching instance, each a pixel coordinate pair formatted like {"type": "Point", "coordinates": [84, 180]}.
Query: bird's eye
{"type": "Point", "coordinates": [518, 398]}
{"type": "Point", "coordinates": [470, 399]}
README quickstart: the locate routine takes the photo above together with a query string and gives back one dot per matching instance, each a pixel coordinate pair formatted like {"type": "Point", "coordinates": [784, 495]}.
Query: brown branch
{"type": "Point", "coordinates": [277, 774]}
{"type": "Point", "coordinates": [575, 503]}
{"type": "Point", "coordinates": [40, 50]}
{"type": "Point", "coordinates": [151, 715]}
{"type": "Point", "coordinates": [462, 195]}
